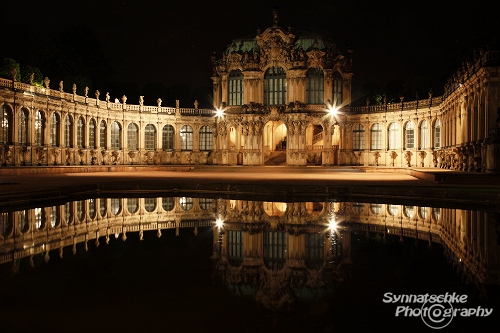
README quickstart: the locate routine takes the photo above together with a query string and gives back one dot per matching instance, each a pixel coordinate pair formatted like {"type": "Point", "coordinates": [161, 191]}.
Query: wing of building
{"type": "Point", "coordinates": [281, 97]}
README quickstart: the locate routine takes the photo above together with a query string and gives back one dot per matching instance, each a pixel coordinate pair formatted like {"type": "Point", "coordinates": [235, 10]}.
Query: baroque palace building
{"type": "Point", "coordinates": [280, 97]}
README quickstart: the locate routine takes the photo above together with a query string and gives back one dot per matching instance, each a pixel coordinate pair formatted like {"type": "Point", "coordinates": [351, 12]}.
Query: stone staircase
{"type": "Point", "coordinates": [276, 158]}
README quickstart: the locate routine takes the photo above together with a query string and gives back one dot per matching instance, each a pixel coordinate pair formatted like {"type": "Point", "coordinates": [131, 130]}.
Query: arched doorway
{"type": "Point", "coordinates": [275, 143]}
{"type": "Point", "coordinates": [314, 144]}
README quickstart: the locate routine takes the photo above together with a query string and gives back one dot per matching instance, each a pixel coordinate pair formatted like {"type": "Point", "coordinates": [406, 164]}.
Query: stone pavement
{"type": "Point", "coordinates": [36, 184]}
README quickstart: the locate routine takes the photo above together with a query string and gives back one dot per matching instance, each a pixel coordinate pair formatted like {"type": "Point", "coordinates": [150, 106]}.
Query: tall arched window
{"type": "Point", "coordinates": [68, 131]}
{"type": "Point", "coordinates": [132, 205]}
{"type": "Point", "coordinates": [68, 212]}
{"type": "Point", "coordinates": [186, 137]}
{"type": "Point", "coordinates": [55, 126]}
{"type": "Point", "coordinates": [337, 89]}
{"type": "Point", "coordinates": [80, 133]}
{"type": "Point", "coordinates": [274, 249]}
{"type": "Point", "coordinates": [315, 86]}
{"type": "Point", "coordinates": [409, 135]}
{"type": "Point", "coordinates": [437, 133]}
{"type": "Point", "coordinates": [23, 127]}
{"type": "Point", "coordinates": [235, 247]}
{"type": "Point", "coordinates": [5, 124]}
{"type": "Point", "coordinates": [358, 137]}
{"type": "Point", "coordinates": [150, 137]}
{"type": "Point", "coordinates": [206, 142]}
{"type": "Point", "coordinates": [424, 134]}
{"type": "Point", "coordinates": [376, 137]}
{"type": "Point", "coordinates": [186, 203]}
{"type": "Point", "coordinates": [116, 206]}
{"type": "Point", "coordinates": [92, 208]}
{"type": "Point", "coordinates": [102, 134]}
{"type": "Point", "coordinates": [132, 137]}
{"type": "Point", "coordinates": [275, 86]}
{"type": "Point", "coordinates": [116, 136]}
{"type": "Point", "coordinates": [167, 203]}
{"type": "Point", "coordinates": [235, 87]}
{"type": "Point", "coordinates": [167, 137]}
{"type": "Point", "coordinates": [80, 210]}
{"type": "Point", "coordinates": [393, 134]}
{"type": "Point", "coordinates": [149, 204]}
{"type": "Point", "coordinates": [39, 128]}
{"type": "Point", "coordinates": [393, 209]}
{"type": "Point", "coordinates": [92, 136]}
{"type": "Point", "coordinates": [314, 250]}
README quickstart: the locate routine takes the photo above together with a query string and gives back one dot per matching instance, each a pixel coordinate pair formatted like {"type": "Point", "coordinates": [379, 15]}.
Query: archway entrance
{"type": "Point", "coordinates": [275, 143]}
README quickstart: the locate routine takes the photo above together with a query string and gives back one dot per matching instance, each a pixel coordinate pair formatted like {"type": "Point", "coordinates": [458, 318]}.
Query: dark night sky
{"type": "Point", "coordinates": [171, 42]}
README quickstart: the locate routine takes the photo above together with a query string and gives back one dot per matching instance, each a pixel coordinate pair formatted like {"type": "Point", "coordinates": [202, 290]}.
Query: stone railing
{"type": "Point", "coordinates": [411, 105]}
{"type": "Point", "coordinates": [31, 89]}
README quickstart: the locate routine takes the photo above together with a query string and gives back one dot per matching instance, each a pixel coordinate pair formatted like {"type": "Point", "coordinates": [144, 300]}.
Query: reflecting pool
{"type": "Point", "coordinates": [211, 263]}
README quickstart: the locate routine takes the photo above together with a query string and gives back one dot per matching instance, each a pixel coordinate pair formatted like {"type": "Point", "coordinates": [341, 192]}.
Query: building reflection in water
{"type": "Point", "coordinates": [274, 252]}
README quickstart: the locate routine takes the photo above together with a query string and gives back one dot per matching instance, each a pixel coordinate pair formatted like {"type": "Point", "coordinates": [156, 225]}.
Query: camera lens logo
{"type": "Point", "coordinates": [438, 315]}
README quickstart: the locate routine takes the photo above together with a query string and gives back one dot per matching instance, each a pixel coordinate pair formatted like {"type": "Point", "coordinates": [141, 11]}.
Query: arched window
{"type": "Point", "coordinates": [5, 124]}
{"type": "Point", "coordinates": [358, 207]}
{"type": "Point", "coordinates": [55, 216]}
{"type": "Point", "coordinates": [54, 130]}
{"type": "Point", "coordinates": [206, 138]}
{"type": "Point", "coordinates": [132, 205]}
{"type": "Point", "coordinates": [358, 137]}
{"type": "Point", "coordinates": [235, 86]}
{"type": "Point", "coordinates": [80, 133]}
{"type": "Point", "coordinates": [23, 222]}
{"type": "Point", "coordinates": [235, 247]}
{"type": "Point", "coordinates": [393, 210]}
{"type": "Point", "coordinates": [167, 203]}
{"type": "Point", "coordinates": [315, 86]}
{"type": "Point", "coordinates": [337, 89]}
{"type": "Point", "coordinates": [409, 211]}
{"type": "Point", "coordinates": [436, 213]}
{"type": "Point", "coordinates": [132, 137]}
{"type": "Point", "coordinates": [5, 225]}
{"type": "Point", "coordinates": [92, 136]}
{"type": "Point", "coordinates": [409, 135]}
{"type": "Point", "coordinates": [393, 136]}
{"type": "Point", "coordinates": [149, 204]}
{"type": "Point", "coordinates": [80, 210]}
{"type": "Point", "coordinates": [186, 137]}
{"type": "Point", "coordinates": [103, 207]}
{"type": "Point", "coordinates": [39, 218]}
{"type": "Point", "coordinates": [315, 243]}
{"type": "Point", "coordinates": [437, 134]}
{"type": "Point", "coordinates": [274, 249]}
{"type": "Point", "coordinates": [376, 137]}
{"type": "Point", "coordinates": [205, 203]}
{"type": "Point", "coordinates": [186, 203]}
{"type": "Point", "coordinates": [116, 136]}
{"type": "Point", "coordinates": [102, 134]}
{"type": "Point", "coordinates": [68, 212]}
{"type": "Point", "coordinates": [23, 127]}
{"type": "Point", "coordinates": [92, 208]}
{"type": "Point", "coordinates": [116, 206]}
{"type": "Point", "coordinates": [375, 208]}
{"type": "Point", "coordinates": [423, 211]}
{"type": "Point", "coordinates": [167, 137]}
{"type": "Point", "coordinates": [275, 86]}
{"type": "Point", "coordinates": [424, 135]}
{"type": "Point", "coordinates": [150, 137]}
{"type": "Point", "coordinates": [68, 131]}
{"type": "Point", "coordinates": [39, 128]}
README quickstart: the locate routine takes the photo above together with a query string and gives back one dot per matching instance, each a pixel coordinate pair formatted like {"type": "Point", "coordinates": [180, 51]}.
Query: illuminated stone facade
{"type": "Point", "coordinates": [280, 97]}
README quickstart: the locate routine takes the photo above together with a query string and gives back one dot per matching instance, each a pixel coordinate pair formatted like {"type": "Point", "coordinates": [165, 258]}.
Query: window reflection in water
{"type": "Point", "coordinates": [274, 240]}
